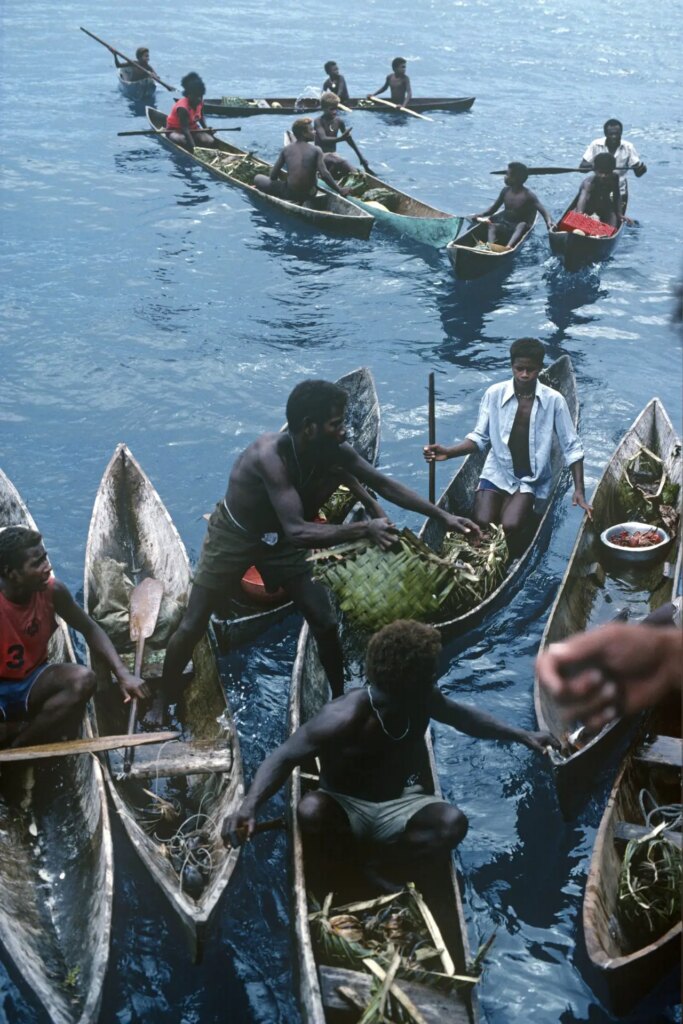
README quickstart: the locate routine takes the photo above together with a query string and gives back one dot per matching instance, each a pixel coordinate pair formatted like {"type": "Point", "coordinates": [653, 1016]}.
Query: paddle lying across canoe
{"type": "Point", "coordinates": [594, 588]}
{"type": "Point", "coordinates": [56, 866]}
{"type": "Point", "coordinates": [237, 106]}
{"type": "Point", "coordinates": [458, 498]}
{"type": "Point", "coordinates": [363, 430]}
{"type": "Point", "coordinates": [471, 257]}
{"type": "Point", "coordinates": [174, 798]}
{"type": "Point", "coordinates": [320, 979]}
{"type": "Point", "coordinates": [579, 250]}
{"type": "Point", "coordinates": [325, 211]}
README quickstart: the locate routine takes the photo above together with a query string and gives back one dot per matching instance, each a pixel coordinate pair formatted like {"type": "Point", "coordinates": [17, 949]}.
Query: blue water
{"type": "Point", "coordinates": [144, 301]}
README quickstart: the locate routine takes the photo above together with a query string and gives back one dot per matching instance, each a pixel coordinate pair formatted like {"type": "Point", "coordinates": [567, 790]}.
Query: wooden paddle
{"type": "Point", "coordinates": [134, 63]}
{"type": "Point", "coordinates": [169, 131]}
{"type": "Point", "coordinates": [261, 826]}
{"type": "Point", "coordinates": [145, 602]}
{"type": "Point", "coordinates": [404, 110]}
{"type": "Point", "coordinates": [550, 170]}
{"type": "Point", "coordinates": [432, 439]}
{"type": "Point", "coordinates": [90, 745]}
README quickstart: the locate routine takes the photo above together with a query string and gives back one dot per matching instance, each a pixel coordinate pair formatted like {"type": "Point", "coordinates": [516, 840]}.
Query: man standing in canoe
{"type": "Point", "coordinates": [398, 82]}
{"type": "Point", "coordinates": [276, 487]}
{"type": "Point", "coordinates": [304, 165]}
{"type": "Point", "coordinates": [327, 129]}
{"type": "Point", "coordinates": [624, 153]}
{"type": "Point", "coordinates": [335, 82]}
{"type": "Point", "coordinates": [186, 120]}
{"type": "Point", "coordinates": [369, 805]}
{"type": "Point", "coordinates": [518, 420]}
{"type": "Point", "coordinates": [519, 208]}
{"type": "Point", "coordinates": [38, 700]}
{"type": "Point", "coordinates": [141, 69]}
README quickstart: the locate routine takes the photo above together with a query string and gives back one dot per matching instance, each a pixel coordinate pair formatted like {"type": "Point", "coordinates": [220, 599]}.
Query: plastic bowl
{"type": "Point", "coordinates": [641, 555]}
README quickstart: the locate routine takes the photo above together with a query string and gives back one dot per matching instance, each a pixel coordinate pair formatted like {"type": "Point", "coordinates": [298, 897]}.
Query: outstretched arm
{"type": "Point", "coordinates": [327, 177]}
{"type": "Point", "coordinates": [477, 723]}
{"type": "Point", "coordinates": [492, 209]}
{"type": "Point", "coordinates": [579, 495]}
{"type": "Point", "coordinates": [383, 89]}
{"type": "Point", "coordinates": [441, 452]}
{"type": "Point", "coordinates": [549, 222]}
{"type": "Point", "coordinates": [98, 641]}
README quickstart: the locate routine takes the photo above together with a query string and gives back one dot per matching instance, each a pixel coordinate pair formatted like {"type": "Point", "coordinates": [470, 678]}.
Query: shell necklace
{"type": "Point", "coordinates": [379, 719]}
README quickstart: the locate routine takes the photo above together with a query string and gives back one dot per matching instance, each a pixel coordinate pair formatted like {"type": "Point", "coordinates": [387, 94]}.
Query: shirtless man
{"type": "Point", "coordinates": [517, 419]}
{"type": "Point", "coordinates": [335, 82]}
{"type": "Point", "coordinates": [303, 163]}
{"type": "Point", "coordinates": [186, 120]}
{"type": "Point", "coordinates": [274, 491]}
{"type": "Point", "coordinates": [40, 701]}
{"type": "Point", "coordinates": [369, 805]}
{"type": "Point", "coordinates": [520, 205]}
{"type": "Point", "coordinates": [623, 152]}
{"type": "Point", "coordinates": [599, 194]}
{"type": "Point", "coordinates": [327, 129]}
{"type": "Point", "coordinates": [141, 69]}
{"type": "Point", "coordinates": [398, 82]}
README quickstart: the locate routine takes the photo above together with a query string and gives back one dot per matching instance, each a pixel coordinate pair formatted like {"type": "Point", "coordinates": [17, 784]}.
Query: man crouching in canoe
{"type": "Point", "coordinates": [518, 419]}
{"type": "Point", "coordinates": [276, 487]}
{"type": "Point", "coordinates": [304, 165]}
{"type": "Point", "coordinates": [370, 743]}
{"type": "Point", "coordinates": [41, 701]}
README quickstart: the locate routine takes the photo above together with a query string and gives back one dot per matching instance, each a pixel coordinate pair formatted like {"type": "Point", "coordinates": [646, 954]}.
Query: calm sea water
{"type": "Point", "coordinates": [143, 301]}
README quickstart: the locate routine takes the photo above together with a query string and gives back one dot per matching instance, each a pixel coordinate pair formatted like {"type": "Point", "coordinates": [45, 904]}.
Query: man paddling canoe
{"type": "Point", "coordinates": [141, 69]}
{"type": "Point", "coordinates": [39, 701]}
{"type": "Point", "coordinates": [330, 130]}
{"type": "Point", "coordinates": [624, 153]}
{"type": "Point", "coordinates": [518, 419]}
{"type": "Point", "coordinates": [519, 208]}
{"type": "Point", "coordinates": [398, 83]}
{"type": "Point", "coordinates": [186, 120]}
{"type": "Point", "coordinates": [303, 163]}
{"type": "Point", "coordinates": [370, 744]}
{"type": "Point", "coordinates": [275, 489]}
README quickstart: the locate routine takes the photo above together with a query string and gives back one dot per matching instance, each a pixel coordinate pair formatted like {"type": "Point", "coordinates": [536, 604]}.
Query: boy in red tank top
{"type": "Point", "coordinates": [40, 700]}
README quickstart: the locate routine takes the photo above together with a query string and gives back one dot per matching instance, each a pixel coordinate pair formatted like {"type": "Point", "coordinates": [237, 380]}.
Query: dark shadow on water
{"type": "Point", "coordinates": [569, 293]}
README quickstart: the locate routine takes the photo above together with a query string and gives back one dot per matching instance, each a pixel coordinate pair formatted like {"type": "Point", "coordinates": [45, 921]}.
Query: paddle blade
{"type": "Point", "coordinates": [145, 602]}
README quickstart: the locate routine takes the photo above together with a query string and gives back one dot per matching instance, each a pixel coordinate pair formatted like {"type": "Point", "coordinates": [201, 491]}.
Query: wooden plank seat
{"type": "Point", "coordinates": [435, 1007]}
{"type": "Point", "coordinates": [662, 750]}
{"type": "Point", "coordinates": [177, 758]}
{"type": "Point", "coordinates": [625, 831]}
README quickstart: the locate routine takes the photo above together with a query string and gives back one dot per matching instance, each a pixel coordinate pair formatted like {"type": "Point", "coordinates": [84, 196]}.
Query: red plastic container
{"type": "Point", "coordinates": [574, 220]}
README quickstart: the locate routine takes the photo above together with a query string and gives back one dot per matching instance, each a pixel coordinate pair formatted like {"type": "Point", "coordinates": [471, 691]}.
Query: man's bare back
{"type": "Point", "coordinates": [300, 160]}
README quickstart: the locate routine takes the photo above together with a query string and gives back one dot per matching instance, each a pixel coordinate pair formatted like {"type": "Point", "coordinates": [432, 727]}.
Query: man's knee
{"type": "Point", "coordinates": [451, 827]}
{"type": "Point", "coordinates": [81, 685]}
{"type": "Point", "coordinates": [319, 813]}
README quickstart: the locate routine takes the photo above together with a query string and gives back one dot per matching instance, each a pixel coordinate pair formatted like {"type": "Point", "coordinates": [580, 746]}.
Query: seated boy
{"type": "Point", "coordinates": [599, 194]}
{"type": "Point", "coordinates": [335, 82]}
{"type": "Point", "coordinates": [398, 82]}
{"type": "Point", "coordinates": [519, 209]}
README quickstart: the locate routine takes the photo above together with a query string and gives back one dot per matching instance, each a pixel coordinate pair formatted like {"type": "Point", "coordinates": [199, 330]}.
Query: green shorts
{"type": "Point", "coordinates": [228, 551]}
{"type": "Point", "coordinates": [383, 822]}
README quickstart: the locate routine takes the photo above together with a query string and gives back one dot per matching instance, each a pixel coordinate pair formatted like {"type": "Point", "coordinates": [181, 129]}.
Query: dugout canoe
{"type": "Point", "coordinates": [584, 595]}
{"type": "Point", "coordinates": [293, 106]}
{"type": "Point", "coordinates": [318, 983]}
{"type": "Point", "coordinates": [458, 498]}
{"type": "Point", "coordinates": [363, 430]}
{"type": "Point", "coordinates": [469, 262]}
{"type": "Point", "coordinates": [140, 90]}
{"type": "Point", "coordinates": [56, 863]}
{"type": "Point", "coordinates": [627, 967]}
{"type": "Point", "coordinates": [202, 774]}
{"type": "Point", "coordinates": [327, 212]}
{"type": "Point", "coordinates": [577, 251]}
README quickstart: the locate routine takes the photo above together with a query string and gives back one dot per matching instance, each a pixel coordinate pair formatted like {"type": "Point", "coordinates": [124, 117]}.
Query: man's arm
{"type": "Point", "coordinates": [383, 89]}
{"type": "Point", "coordinates": [347, 137]}
{"type": "Point", "coordinates": [485, 727]}
{"type": "Point", "coordinates": [549, 222]}
{"type": "Point", "coordinates": [441, 452]}
{"type": "Point", "coordinates": [583, 196]}
{"type": "Point", "coordinates": [98, 641]}
{"type": "Point", "coordinates": [409, 92]}
{"type": "Point", "coordinates": [184, 119]}
{"type": "Point", "coordinates": [277, 166]}
{"type": "Point", "coordinates": [327, 177]}
{"type": "Point", "coordinates": [492, 209]}
{"type": "Point", "coordinates": [371, 506]}
{"type": "Point", "coordinates": [579, 495]}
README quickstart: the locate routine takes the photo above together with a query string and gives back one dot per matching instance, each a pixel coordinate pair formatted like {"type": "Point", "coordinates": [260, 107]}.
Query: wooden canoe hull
{"type": "Point", "coordinates": [56, 861]}
{"type": "Point", "coordinates": [625, 972]}
{"type": "Point", "coordinates": [577, 251]}
{"type": "Point", "coordinates": [331, 214]}
{"type": "Point", "coordinates": [458, 498]}
{"type": "Point", "coordinates": [469, 263]}
{"type": "Point", "coordinates": [580, 587]}
{"type": "Point", "coordinates": [413, 219]}
{"type": "Point", "coordinates": [142, 91]}
{"type": "Point", "coordinates": [309, 692]}
{"type": "Point", "coordinates": [131, 525]}
{"type": "Point", "coordinates": [288, 106]}
{"type": "Point", "coordinates": [363, 428]}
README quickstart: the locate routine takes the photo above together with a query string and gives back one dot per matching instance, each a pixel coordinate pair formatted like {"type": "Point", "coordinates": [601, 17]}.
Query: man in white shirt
{"type": "Point", "coordinates": [624, 153]}
{"type": "Point", "coordinates": [517, 421]}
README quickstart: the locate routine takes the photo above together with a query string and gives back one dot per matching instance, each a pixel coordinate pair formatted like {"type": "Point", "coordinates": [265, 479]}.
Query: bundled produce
{"type": "Point", "coordinates": [243, 168]}
{"type": "Point", "coordinates": [238, 101]}
{"type": "Point", "coordinates": [646, 493]}
{"type": "Point", "coordinates": [361, 189]}
{"type": "Point", "coordinates": [479, 569]}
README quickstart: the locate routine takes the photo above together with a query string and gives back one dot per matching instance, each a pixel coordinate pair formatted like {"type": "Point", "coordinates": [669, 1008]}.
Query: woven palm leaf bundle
{"type": "Point", "coordinates": [377, 587]}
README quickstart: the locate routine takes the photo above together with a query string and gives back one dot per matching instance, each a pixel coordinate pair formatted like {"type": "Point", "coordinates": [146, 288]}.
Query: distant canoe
{"type": "Point", "coordinates": [138, 89]}
{"type": "Point", "coordinates": [56, 860]}
{"type": "Point", "coordinates": [327, 212]}
{"type": "Point", "coordinates": [458, 498]}
{"type": "Point", "coordinates": [202, 774]}
{"type": "Point", "coordinates": [363, 430]}
{"type": "Point", "coordinates": [469, 262]}
{"type": "Point", "coordinates": [288, 105]}
{"type": "Point", "coordinates": [628, 968]}
{"type": "Point", "coordinates": [577, 251]}
{"type": "Point", "coordinates": [580, 586]}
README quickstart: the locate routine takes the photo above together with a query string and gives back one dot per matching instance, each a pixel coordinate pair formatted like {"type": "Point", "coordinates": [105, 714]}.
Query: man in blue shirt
{"type": "Point", "coordinates": [518, 419]}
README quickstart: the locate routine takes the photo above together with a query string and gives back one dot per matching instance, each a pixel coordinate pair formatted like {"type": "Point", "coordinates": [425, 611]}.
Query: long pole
{"type": "Point", "coordinates": [128, 60]}
{"type": "Point", "coordinates": [432, 439]}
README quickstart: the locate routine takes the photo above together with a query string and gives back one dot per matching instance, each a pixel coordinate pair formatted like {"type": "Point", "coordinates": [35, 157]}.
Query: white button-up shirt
{"type": "Point", "coordinates": [625, 156]}
{"type": "Point", "coordinates": [549, 416]}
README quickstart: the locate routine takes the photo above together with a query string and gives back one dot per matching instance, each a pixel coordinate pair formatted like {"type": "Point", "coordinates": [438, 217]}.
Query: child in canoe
{"type": "Point", "coordinates": [599, 194]}
{"type": "Point", "coordinates": [519, 209]}
{"type": "Point", "coordinates": [398, 82]}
